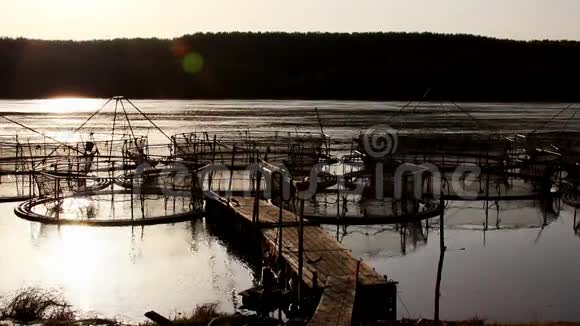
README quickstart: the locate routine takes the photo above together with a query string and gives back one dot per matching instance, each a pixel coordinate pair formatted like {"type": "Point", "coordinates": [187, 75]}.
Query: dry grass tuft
{"type": "Point", "coordinates": [34, 304]}
{"type": "Point", "coordinates": [201, 315]}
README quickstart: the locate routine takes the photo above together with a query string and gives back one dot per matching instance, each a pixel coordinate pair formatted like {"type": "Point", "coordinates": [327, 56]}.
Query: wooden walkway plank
{"type": "Point", "coordinates": [324, 252]}
{"type": "Point", "coordinates": [336, 304]}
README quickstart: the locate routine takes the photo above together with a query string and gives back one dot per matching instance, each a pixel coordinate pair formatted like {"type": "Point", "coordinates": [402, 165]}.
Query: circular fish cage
{"type": "Point", "coordinates": [386, 241]}
{"type": "Point", "coordinates": [465, 177]}
{"type": "Point", "coordinates": [445, 150]}
{"type": "Point", "coordinates": [172, 176]}
{"type": "Point", "coordinates": [410, 192]}
{"type": "Point", "coordinates": [28, 161]}
{"type": "Point", "coordinates": [449, 152]}
{"type": "Point", "coordinates": [297, 151]}
{"type": "Point", "coordinates": [30, 154]}
{"type": "Point", "coordinates": [97, 201]}
{"type": "Point", "coordinates": [489, 185]}
{"type": "Point", "coordinates": [331, 209]}
{"type": "Point", "coordinates": [571, 196]}
{"type": "Point", "coordinates": [358, 203]}
{"type": "Point", "coordinates": [426, 181]}
{"type": "Point", "coordinates": [111, 208]}
{"type": "Point", "coordinates": [499, 215]}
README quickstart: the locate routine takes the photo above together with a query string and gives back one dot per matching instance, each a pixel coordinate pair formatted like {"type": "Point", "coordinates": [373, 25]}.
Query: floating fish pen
{"type": "Point", "coordinates": [20, 153]}
{"type": "Point", "coordinates": [23, 158]}
{"type": "Point", "coordinates": [103, 179]}
{"type": "Point", "coordinates": [359, 204]}
{"type": "Point", "coordinates": [119, 188]}
{"type": "Point", "coordinates": [570, 151]}
{"type": "Point", "coordinates": [403, 238]}
{"type": "Point", "coordinates": [298, 151]}
{"type": "Point", "coordinates": [447, 151]}
{"type": "Point", "coordinates": [163, 177]}
{"type": "Point", "coordinates": [495, 216]}
{"type": "Point", "coordinates": [27, 154]}
{"type": "Point", "coordinates": [389, 240]}
{"type": "Point", "coordinates": [99, 201]}
{"type": "Point", "coordinates": [571, 194]}
{"type": "Point", "coordinates": [461, 166]}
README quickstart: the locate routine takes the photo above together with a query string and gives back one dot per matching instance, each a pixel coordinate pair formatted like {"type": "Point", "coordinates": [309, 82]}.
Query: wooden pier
{"type": "Point", "coordinates": [352, 290]}
{"type": "Point", "coordinates": [336, 303]}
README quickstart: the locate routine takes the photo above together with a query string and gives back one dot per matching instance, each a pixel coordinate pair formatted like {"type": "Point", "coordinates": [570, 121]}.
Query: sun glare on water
{"type": "Point", "coordinates": [63, 114]}
{"type": "Point", "coordinates": [76, 260]}
{"type": "Point", "coordinates": [69, 104]}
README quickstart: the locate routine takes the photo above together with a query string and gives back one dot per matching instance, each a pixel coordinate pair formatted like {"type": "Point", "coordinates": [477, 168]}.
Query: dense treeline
{"type": "Point", "coordinates": [294, 65]}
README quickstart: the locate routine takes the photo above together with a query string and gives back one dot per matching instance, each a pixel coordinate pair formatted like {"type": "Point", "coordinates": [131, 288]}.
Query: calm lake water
{"type": "Point", "coordinates": [517, 270]}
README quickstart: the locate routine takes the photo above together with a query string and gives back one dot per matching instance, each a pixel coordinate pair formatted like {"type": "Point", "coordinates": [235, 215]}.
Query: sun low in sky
{"type": "Point", "coordinates": [103, 19]}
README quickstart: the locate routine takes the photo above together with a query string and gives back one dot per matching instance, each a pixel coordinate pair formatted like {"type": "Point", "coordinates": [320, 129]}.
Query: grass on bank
{"type": "Point", "coordinates": [201, 315]}
{"type": "Point", "coordinates": [33, 304]}
{"type": "Point", "coordinates": [38, 306]}
{"type": "Point", "coordinates": [45, 307]}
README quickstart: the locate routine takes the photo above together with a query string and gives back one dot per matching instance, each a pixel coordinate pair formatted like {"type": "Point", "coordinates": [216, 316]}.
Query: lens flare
{"type": "Point", "coordinates": [192, 63]}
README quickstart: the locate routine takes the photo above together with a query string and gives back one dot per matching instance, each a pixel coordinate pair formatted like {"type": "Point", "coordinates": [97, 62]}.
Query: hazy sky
{"type": "Point", "coordinates": [89, 19]}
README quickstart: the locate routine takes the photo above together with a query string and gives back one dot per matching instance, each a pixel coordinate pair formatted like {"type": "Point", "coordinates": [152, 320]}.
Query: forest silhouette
{"type": "Point", "coordinates": [362, 66]}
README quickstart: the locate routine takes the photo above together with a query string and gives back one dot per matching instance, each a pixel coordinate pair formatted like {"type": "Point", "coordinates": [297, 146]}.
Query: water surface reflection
{"type": "Point", "coordinates": [517, 262]}
{"type": "Point", "coordinates": [522, 266]}
{"type": "Point", "coordinates": [122, 272]}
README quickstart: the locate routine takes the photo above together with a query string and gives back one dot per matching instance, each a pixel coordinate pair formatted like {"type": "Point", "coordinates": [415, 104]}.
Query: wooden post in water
{"type": "Point", "coordinates": [231, 174]}
{"type": "Point", "coordinates": [256, 214]}
{"type": "Point", "coordinates": [280, 260]}
{"type": "Point", "coordinates": [142, 202]}
{"type": "Point", "coordinates": [256, 211]}
{"type": "Point", "coordinates": [30, 187]}
{"type": "Point", "coordinates": [300, 252]}
{"type": "Point", "coordinates": [357, 270]}
{"type": "Point", "coordinates": [132, 191]}
{"type": "Point", "coordinates": [280, 219]}
{"type": "Point", "coordinates": [257, 202]}
{"type": "Point", "coordinates": [213, 148]}
{"type": "Point", "coordinates": [56, 181]}
{"type": "Point", "coordinates": [487, 191]}
{"type": "Point", "coordinates": [442, 249]}
{"type": "Point", "coordinates": [17, 158]}
{"type": "Point", "coordinates": [32, 179]}
{"type": "Point", "coordinates": [97, 156]}
{"type": "Point", "coordinates": [141, 196]}
{"type": "Point", "coordinates": [576, 225]}
{"type": "Point", "coordinates": [337, 204]}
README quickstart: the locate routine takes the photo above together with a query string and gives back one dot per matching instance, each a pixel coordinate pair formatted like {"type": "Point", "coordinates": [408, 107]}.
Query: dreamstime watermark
{"type": "Point", "coordinates": [390, 172]}
{"type": "Point", "coordinates": [380, 141]}
{"type": "Point", "coordinates": [410, 180]}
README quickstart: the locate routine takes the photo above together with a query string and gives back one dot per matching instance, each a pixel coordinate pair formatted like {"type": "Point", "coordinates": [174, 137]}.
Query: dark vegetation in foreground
{"type": "Point", "coordinates": [44, 307]}
{"type": "Point", "coordinates": [473, 322]}
{"type": "Point", "coordinates": [32, 304]}
{"type": "Point", "coordinates": [366, 66]}
{"type": "Point", "coordinates": [39, 306]}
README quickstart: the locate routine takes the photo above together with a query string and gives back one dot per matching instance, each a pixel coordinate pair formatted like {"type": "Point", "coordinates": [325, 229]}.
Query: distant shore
{"type": "Point", "coordinates": [333, 66]}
